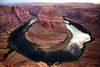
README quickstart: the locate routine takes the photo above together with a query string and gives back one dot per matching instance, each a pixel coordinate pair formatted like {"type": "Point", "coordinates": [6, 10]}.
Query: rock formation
{"type": "Point", "coordinates": [15, 60]}
{"type": "Point", "coordinates": [49, 31]}
{"type": "Point", "coordinates": [49, 18]}
{"type": "Point", "coordinates": [10, 17]}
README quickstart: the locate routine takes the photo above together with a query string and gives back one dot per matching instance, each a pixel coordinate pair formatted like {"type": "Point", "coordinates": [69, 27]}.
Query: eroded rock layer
{"type": "Point", "coordinates": [89, 14]}
{"type": "Point", "coordinates": [11, 17]}
{"type": "Point", "coordinates": [49, 18]}
{"type": "Point", "coordinates": [49, 31]}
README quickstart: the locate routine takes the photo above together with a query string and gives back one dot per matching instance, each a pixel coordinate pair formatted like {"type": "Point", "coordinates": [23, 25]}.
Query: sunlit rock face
{"type": "Point", "coordinates": [11, 17]}
{"type": "Point", "coordinates": [50, 19]}
{"type": "Point", "coordinates": [49, 33]}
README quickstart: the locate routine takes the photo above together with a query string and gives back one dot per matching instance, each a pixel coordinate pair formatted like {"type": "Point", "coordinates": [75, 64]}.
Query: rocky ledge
{"type": "Point", "coordinates": [49, 33]}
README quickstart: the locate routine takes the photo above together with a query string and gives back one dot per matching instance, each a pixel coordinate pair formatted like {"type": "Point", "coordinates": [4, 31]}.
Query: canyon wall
{"type": "Point", "coordinates": [11, 18]}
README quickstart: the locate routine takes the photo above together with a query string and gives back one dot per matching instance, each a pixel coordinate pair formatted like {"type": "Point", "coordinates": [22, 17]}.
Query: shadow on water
{"type": "Point", "coordinates": [18, 32]}
{"type": "Point", "coordinates": [30, 52]}
{"type": "Point", "coordinates": [25, 47]}
{"type": "Point", "coordinates": [80, 27]}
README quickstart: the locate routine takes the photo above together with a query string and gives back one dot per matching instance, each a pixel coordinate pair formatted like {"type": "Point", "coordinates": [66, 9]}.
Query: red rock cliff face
{"type": "Point", "coordinates": [33, 10]}
{"type": "Point", "coordinates": [50, 19]}
{"type": "Point", "coordinates": [83, 13]}
{"type": "Point", "coordinates": [11, 17]}
{"type": "Point", "coordinates": [15, 15]}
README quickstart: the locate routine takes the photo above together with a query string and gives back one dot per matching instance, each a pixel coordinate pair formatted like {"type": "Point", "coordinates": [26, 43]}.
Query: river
{"type": "Point", "coordinates": [70, 52]}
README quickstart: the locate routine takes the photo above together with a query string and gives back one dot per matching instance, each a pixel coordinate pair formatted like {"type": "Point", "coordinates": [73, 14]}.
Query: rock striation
{"type": "Point", "coordinates": [50, 18]}
{"type": "Point", "coordinates": [49, 31]}
{"type": "Point", "coordinates": [11, 17]}
{"type": "Point", "coordinates": [89, 14]}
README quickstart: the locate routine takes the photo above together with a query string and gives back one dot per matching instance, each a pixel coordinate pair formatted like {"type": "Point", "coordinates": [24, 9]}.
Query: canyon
{"type": "Point", "coordinates": [49, 31]}
{"type": "Point", "coordinates": [13, 16]}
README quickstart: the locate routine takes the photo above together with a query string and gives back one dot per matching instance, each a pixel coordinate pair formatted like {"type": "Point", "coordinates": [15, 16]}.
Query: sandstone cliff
{"type": "Point", "coordinates": [11, 17]}
{"type": "Point", "coordinates": [49, 30]}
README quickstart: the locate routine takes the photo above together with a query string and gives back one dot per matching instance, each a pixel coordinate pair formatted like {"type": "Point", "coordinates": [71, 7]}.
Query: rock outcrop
{"type": "Point", "coordinates": [17, 60]}
{"type": "Point", "coordinates": [49, 31]}
{"type": "Point", "coordinates": [50, 19]}
{"type": "Point", "coordinates": [11, 17]}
